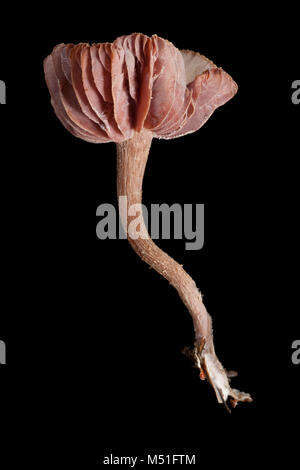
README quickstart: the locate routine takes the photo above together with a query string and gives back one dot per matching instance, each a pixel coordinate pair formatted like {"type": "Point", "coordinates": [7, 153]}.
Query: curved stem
{"type": "Point", "coordinates": [132, 156]}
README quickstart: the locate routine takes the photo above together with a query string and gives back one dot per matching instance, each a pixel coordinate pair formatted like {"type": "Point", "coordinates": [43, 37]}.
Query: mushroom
{"type": "Point", "coordinates": [129, 92]}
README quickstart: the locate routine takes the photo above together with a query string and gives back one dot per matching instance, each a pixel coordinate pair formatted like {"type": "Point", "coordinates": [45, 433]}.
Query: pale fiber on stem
{"type": "Point", "coordinates": [132, 156]}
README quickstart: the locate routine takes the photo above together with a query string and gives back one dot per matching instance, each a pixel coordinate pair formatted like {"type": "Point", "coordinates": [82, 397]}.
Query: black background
{"type": "Point", "coordinates": [94, 337]}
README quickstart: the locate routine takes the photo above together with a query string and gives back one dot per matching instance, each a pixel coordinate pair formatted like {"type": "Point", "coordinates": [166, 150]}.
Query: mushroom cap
{"type": "Point", "coordinates": [108, 91]}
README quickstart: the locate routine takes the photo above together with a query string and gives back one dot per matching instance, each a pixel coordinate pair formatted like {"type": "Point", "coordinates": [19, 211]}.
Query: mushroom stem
{"type": "Point", "coordinates": [132, 156]}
